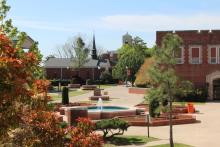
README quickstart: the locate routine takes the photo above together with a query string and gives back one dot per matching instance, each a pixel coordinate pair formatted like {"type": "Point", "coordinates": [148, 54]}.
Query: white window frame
{"type": "Point", "coordinates": [217, 47]}
{"type": "Point", "coordinates": [190, 54]}
{"type": "Point", "coordinates": [180, 60]}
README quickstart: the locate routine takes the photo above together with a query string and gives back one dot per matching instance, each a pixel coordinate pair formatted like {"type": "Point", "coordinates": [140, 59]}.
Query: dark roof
{"type": "Point", "coordinates": [67, 62]}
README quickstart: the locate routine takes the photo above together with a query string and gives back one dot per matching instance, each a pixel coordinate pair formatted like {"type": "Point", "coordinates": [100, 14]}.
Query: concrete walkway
{"type": "Point", "coordinates": [118, 96]}
{"type": "Point", "coordinates": [204, 134]}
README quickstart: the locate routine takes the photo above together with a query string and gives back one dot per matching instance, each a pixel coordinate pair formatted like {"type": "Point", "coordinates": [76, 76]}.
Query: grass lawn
{"type": "Point", "coordinates": [128, 140]}
{"type": "Point", "coordinates": [175, 145]}
{"type": "Point", "coordinates": [72, 93]}
{"type": "Point", "coordinates": [107, 86]}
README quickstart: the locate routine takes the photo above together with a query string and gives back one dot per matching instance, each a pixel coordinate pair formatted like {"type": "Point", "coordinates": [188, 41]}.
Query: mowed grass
{"type": "Point", "coordinates": [106, 86]}
{"type": "Point", "coordinates": [72, 93]}
{"type": "Point", "coordinates": [175, 145]}
{"type": "Point", "coordinates": [75, 92]}
{"type": "Point", "coordinates": [124, 140]}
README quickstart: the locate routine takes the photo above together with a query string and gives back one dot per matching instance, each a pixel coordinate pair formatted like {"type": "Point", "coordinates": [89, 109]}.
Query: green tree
{"type": "Point", "coordinates": [166, 84]}
{"type": "Point", "coordinates": [81, 53]}
{"type": "Point", "coordinates": [131, 57]}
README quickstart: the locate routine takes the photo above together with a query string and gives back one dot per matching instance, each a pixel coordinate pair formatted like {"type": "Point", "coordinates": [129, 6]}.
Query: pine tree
{"type": "Point", "coordinates": [163, 77]}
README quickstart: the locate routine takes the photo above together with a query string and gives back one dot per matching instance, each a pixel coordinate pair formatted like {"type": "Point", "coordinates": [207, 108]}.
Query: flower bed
{"type": "Point", "coordinates": [140, 120]}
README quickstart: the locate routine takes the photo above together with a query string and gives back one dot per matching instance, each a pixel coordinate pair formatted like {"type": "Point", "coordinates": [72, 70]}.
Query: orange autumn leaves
{"type": "Point", "coordinates": [142, 77]}
{"type": "Point", "coordinates": [24, 104]}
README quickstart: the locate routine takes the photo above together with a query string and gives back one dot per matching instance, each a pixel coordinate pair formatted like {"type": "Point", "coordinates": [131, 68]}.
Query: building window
{"type": "Point", "coordinates": [214, 54]}
{"type": "Point", "coordinates": [179, 55]}
{"type": "Point", "coordinates": [195, 55]}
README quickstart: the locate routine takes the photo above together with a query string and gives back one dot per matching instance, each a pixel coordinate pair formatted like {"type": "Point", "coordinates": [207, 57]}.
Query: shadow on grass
{"type": "Point", "coordinates": [127, 140]}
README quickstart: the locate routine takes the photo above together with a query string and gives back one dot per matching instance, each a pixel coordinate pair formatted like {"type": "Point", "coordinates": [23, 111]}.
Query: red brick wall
{"type": "Point", "coordinates": [136, 90]}
{"type": "Point", "coordinates": [84, 73]}
{"type": "Point", "coordinates": [195, 72]}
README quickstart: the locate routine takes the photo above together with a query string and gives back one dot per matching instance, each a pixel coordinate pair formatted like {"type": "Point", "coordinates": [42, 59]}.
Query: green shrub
{"type": "Point", "coordinates": [77, 80]}
{"type": "Point", "coordinates": [111, 125]}
{"type": "Point", "coordinates": [63, 125]}
{"type": "Point", "coordinates": [196, 95]}
{"type": "Point", "coordinates": [63, 82]}
{"type": "Point", "coordinates": [65, 96]}
{"type": "Point", "coordinates": [106, 77]}
{"type": "Point", "coordinates": [89, 82]}
{"type": "Point", "coordinates": [153, 107]}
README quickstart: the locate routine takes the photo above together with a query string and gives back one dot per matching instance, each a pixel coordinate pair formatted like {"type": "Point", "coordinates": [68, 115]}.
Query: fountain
{"type": "Point", "coordinates": [100, 104]}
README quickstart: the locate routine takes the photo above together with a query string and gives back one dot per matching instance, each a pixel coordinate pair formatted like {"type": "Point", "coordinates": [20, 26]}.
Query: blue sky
{"type": "Point", "coordinates": [52, 22]}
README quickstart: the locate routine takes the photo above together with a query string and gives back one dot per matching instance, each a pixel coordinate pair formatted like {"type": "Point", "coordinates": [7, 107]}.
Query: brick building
{"type": "Point", "coordinates": [199, 58]}
{"type": "Point", "coordinates": [63, 68]}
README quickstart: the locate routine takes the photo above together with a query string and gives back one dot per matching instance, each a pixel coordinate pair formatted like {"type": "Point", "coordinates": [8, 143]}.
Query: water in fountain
{"type": "Point", "coordinates": [100, 104]}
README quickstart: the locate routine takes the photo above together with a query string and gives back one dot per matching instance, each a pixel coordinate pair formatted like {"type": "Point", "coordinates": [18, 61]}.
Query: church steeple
{"type": "Point", "coordinates": [94, 52]}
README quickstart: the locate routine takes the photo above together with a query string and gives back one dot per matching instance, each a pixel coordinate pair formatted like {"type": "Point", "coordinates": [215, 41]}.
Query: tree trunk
{"type": "Point", "coordinates": [170, 115]}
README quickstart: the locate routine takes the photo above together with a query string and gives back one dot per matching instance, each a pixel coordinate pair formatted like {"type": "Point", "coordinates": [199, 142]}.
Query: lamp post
{"type": "Point", "coordinates": [61, 77]}
{"type": "Point", "coordinates": [99, 75]}
{"type": "Point", "coordinates": [68, 72]}
{"type": "Point", "coordinates": [126, 81]}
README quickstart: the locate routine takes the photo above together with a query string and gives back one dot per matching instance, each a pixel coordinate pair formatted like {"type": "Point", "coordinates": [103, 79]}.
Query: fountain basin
{"type": "Point", "coordinates": [108, 112]}
{"type": "Point", "coordinates": [106, 108]}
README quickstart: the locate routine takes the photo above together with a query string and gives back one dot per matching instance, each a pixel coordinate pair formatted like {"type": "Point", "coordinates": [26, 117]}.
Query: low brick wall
{"type": "Point", "coordinates": [73, 113]}
{"type": "Point", "coordinates": [136, 90]}
{"type": "Point", "coordinates": [103, 97]}
{"type": "Point", "coordinates": [94, 115]}
{"type": "Point", "coordinates": [109, 115]}
{"type": "Point", "coordinates": [74, 85]}
{"type": "Point", "coordinates": [89, 87]}
{"type": "Point", "coordinates": [141, 120]}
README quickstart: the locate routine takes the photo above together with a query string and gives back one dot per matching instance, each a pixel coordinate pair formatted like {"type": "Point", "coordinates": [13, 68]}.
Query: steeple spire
{"type": "Point", "coordinates": [94, 52]}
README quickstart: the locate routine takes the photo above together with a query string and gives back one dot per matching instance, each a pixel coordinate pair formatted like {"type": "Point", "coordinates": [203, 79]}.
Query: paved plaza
{"type": "Point", "coordinates": [204, 134]}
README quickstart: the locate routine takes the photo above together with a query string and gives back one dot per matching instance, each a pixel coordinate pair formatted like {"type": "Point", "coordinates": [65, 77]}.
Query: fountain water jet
{"type": "Point", "coordinates": [100, 104]}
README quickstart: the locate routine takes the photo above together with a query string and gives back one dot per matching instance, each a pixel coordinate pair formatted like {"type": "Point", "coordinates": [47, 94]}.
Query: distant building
{"type": "Point", "coordinates": [127, 39]}
{"type": "Point", "coordinates": [63, 68]}
{"type": "Point", "coordinates": [28, 42]}
{"type": "Point", "coordinates": [198, 58]}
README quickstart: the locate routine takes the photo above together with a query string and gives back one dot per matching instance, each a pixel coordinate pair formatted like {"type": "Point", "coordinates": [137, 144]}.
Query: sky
{"type": "Point", "coordinates": [53, 22]}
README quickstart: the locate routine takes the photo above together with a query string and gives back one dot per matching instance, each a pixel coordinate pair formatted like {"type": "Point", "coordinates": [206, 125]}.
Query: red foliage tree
{"type": "Point", "coordinates": [83, 135]}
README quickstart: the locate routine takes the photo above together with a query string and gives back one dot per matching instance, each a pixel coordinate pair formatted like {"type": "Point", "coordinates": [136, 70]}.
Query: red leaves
{"type": "Point", "coordinates": [83, 135]}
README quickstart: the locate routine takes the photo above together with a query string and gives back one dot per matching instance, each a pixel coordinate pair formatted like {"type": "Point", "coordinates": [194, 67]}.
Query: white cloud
{"type": "Point", "coordinates": [146, 23]}
{"type": "Point", "coordinates": [43, 25]}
